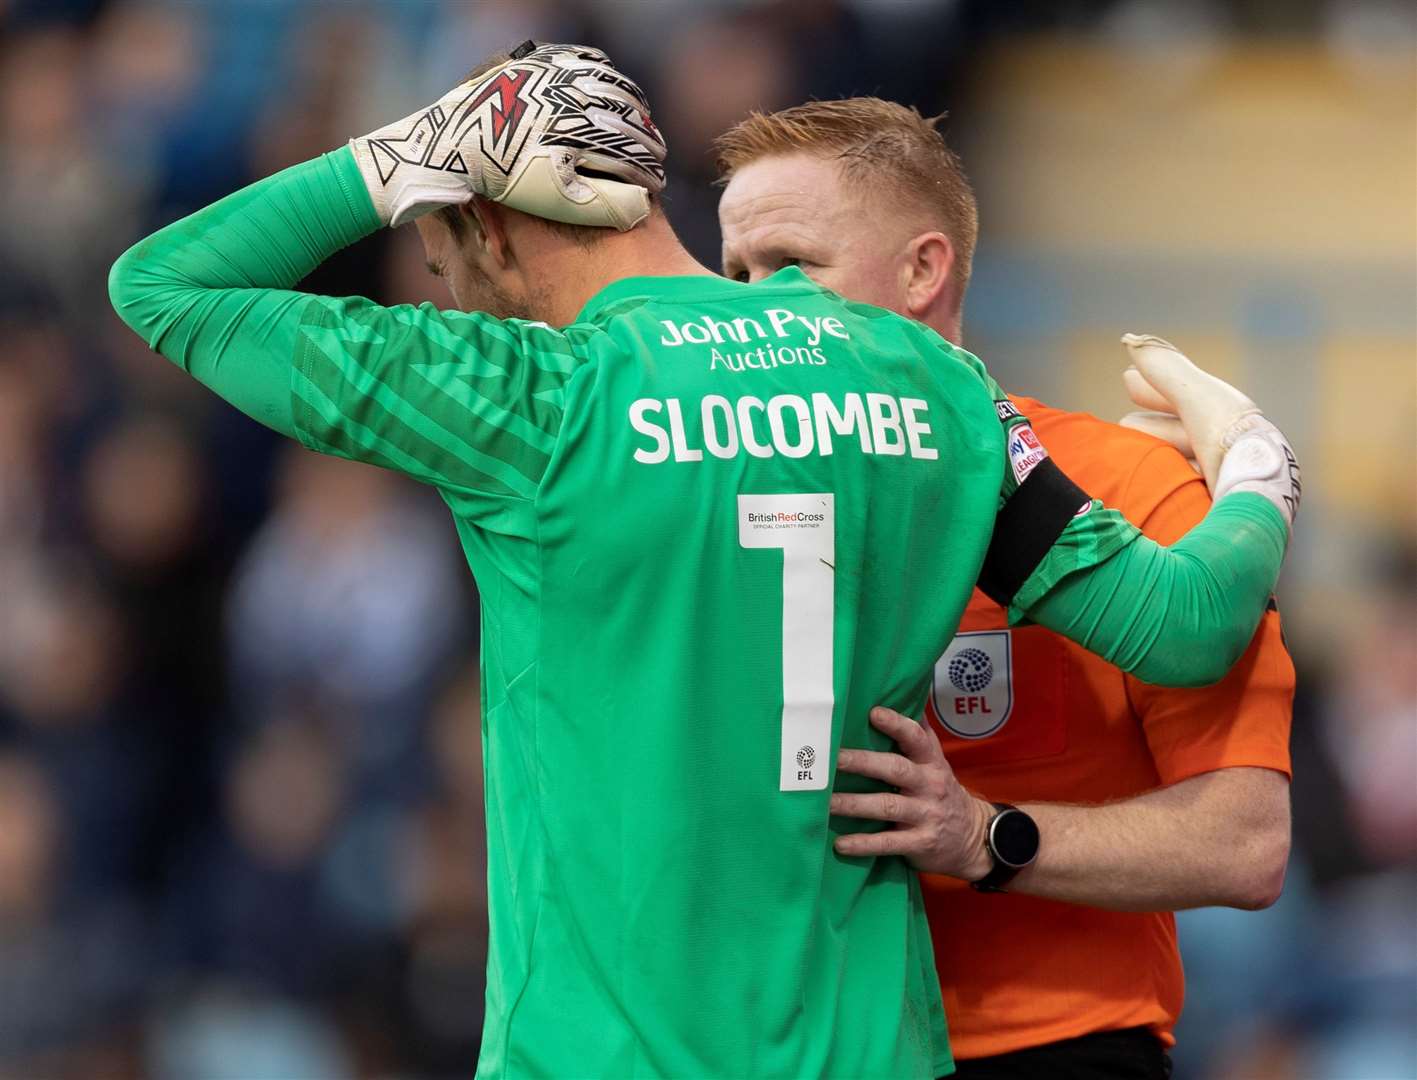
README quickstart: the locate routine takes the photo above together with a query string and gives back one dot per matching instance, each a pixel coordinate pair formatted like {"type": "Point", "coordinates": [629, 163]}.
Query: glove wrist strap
{"type": "Point", "coordinates": [1259, 459]}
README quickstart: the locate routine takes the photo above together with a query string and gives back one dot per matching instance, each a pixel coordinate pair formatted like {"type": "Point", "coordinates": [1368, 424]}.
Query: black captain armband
{"type": "Point", "coordinates": [1028, 525]}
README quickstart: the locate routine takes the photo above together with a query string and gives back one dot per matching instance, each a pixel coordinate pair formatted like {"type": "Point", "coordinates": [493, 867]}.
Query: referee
{"type": "Point", "coordinates": [1111, 803]}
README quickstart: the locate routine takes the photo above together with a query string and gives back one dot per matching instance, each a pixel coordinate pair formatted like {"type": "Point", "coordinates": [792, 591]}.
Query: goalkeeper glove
{"type": "Point", "coordinates": [1208, 420]}
{"type": "Point", "coordinates": [521, 134]}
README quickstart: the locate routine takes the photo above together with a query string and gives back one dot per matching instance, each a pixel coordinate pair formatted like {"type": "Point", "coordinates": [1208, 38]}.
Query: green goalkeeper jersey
{"type": "Point", "coordinates": [697, 519]}
{"type": "Point", "coordinates": [694, 519]}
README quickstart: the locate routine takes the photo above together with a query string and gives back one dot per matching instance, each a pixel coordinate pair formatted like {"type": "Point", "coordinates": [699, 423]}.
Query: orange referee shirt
{"type": "Point", "coordinates": [1025, 715]}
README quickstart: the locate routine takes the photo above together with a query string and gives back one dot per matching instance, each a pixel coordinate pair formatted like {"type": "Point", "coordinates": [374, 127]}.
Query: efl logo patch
{"type": "Point", "coordinates": [974, 684]}
{"type": "Point", "coordinates": [1025, 451]}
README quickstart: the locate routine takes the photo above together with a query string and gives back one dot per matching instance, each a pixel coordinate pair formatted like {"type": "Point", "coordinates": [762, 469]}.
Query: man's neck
{"type": "Point", "coordinates": [649, 250]}
{"type": "Point", "coordinates": [952, 330]}
{"type": "Point", "coordinates": [948, 324]}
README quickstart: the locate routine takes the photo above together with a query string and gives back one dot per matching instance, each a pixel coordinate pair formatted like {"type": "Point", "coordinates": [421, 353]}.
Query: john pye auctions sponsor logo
{"type": "Point", "coordinates": [740, 331]}
{"type": "Point", "coordinates": [778, 335]}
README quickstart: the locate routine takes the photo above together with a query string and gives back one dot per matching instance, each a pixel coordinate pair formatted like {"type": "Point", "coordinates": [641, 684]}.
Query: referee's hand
{"type": "Point", "coordinates": [939, 826]}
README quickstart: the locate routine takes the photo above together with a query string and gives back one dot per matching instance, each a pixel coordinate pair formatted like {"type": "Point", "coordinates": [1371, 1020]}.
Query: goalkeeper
{"type": "Point", "coordinates": [694, 510]}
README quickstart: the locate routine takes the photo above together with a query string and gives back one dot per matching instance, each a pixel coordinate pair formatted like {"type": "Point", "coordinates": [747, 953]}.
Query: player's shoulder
{"type": "Point", "coordinates": [532, 335]}
{"type": "Point", "coordinates": [1116, 464]}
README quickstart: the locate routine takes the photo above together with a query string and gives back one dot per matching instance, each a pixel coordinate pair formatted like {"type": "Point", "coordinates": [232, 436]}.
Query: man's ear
{"type": "Point", "coordinates": [489, 226]}
{"type": "Point", "coordinates": [930, 260]}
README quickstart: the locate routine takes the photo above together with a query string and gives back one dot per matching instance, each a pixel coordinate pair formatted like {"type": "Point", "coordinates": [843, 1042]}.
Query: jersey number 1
{"type": "Point", "coordinates": [804, 528]}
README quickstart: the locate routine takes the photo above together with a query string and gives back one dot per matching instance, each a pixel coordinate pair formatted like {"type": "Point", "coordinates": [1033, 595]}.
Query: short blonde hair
{"type": "Point", "coordinates": [879, 145]}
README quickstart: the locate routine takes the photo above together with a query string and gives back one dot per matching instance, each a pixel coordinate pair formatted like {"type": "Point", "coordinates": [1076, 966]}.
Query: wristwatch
{"type": "Point", "coordinates": [1011, 838]}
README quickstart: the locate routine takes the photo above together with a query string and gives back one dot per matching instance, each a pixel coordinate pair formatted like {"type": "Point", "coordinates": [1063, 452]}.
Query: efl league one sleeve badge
{"type": "Point", "coordinates": [974, 684]}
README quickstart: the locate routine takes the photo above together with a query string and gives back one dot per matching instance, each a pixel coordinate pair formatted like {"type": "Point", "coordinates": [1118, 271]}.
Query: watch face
{"type": "Point", "coordinates": [1014, 837]}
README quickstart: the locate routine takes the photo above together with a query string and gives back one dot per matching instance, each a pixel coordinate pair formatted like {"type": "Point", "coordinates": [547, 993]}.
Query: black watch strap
{"type": "Point", "coordinates": [1009, 863]}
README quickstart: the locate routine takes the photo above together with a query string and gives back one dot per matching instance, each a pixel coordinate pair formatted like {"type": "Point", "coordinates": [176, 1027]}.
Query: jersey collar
{"type": "Point", "coordinates": [693, 287]}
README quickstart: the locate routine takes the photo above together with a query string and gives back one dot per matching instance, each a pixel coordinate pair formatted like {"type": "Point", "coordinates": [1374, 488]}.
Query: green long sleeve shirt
{"type": "Point", "coordinates": [697, 518]}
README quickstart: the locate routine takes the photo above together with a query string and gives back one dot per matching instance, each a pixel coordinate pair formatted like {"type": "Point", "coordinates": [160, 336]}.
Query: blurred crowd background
{"type": "Point", "coordinates": [240, 776]}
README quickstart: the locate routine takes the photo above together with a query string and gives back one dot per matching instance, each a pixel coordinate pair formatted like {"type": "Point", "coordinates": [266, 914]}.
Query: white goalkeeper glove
{"type": "Point", "coordinates": [1208, 420]}
{"type": "Point", "coordinates": [556, 131]}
